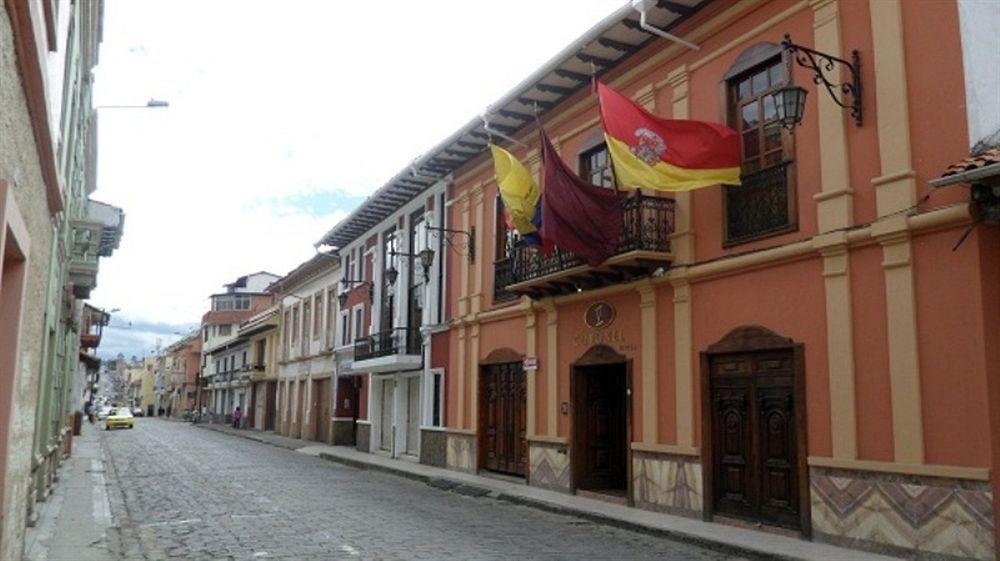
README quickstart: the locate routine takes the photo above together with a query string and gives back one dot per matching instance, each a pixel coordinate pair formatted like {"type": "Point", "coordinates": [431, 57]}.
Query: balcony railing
{"type": "Point", "coordinates": [398, 341]}
{"type": "Point", "coordinates": [647, 223]}
{"type": "Point", "coordinates": [758, 207]}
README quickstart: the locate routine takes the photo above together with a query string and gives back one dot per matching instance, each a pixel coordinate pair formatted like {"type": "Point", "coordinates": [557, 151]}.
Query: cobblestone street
{"type": "Point", "coordinates": [179, 492]}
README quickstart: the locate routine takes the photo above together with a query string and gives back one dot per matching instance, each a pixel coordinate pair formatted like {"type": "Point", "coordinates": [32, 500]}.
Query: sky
{"type": "Point", "coordinates": [283, 117]}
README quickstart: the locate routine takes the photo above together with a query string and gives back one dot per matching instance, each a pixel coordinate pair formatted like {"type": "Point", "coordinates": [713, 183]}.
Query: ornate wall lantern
{"type": "Point", "coordinates": [847, 94]}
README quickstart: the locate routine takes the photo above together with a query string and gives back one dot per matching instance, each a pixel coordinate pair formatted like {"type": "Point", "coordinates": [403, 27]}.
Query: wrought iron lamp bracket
{"type": "Point", "coordinates": [845, 94]}
{"type": "Point", "coordinates": [470, 244]}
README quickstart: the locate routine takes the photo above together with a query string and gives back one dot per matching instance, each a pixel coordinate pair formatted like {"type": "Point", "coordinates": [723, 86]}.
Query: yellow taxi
{"type": "Point", "coordinates": [119, 417]}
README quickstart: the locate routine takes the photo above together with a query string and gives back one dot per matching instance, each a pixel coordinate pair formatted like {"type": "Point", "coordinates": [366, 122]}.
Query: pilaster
{"type": "Point", "coordinates": [650, 403]}
{"type": "Point", "coordinates": [839, 342]}
{"type": "Point", "coordinates": [683, 350]}
{"type": "Point", "coordinates": [834, 203]}
{"type": "Point", "coordinates": [901, 323]}
{"type": "Point", "coordinates": [682, 240]}
{"type": "Point", "coordinates": [531, 376]}
{"type": "Point", "coordinates": [552, 366]}
{"type": "Point", "coordinates": [895, 189]}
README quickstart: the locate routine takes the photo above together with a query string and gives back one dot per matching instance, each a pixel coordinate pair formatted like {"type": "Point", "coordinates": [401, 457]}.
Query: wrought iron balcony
{"type": "Point", "coordinates": [401, 340]}
{"type": "Point", "coordinates": [643, 246]}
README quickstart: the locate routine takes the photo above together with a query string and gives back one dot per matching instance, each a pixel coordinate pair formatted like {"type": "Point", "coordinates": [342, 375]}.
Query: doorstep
{"type": "Point", "coordinates": [712, 535]}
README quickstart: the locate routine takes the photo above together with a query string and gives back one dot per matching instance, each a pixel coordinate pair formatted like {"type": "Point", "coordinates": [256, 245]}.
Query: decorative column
{"type": "Point", "coordinates": [834, 202]}
{"type": "Point", "coordinates": [682, 246]}
{"type": "Point", "coordinates": [530, 376]}
{"type": "Point", "coordinates": [895, 190]}
{"type": "Point", "coordinates": [552, 366]}
{"type": "Point", "coordinates": [650, 403]}
{"type": "Point", "coordinates": [839, 342]}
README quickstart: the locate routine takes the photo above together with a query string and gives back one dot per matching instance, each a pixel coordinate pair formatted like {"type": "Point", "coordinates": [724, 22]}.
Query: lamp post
{"type": "Point", "coordinates": [151, 104]}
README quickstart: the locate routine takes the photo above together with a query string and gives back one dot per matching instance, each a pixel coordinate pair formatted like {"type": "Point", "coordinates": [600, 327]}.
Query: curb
{"type": "Point", "coordinates": [461, 488]}
{"type": "Point", "coordinates": [247, 435]}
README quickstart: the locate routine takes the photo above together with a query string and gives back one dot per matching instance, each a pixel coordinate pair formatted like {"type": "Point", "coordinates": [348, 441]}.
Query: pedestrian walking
{"type": "Point", "coordinates": [237, 415]}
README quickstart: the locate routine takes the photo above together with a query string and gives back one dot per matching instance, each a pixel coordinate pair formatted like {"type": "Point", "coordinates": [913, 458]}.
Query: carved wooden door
{"type": "Point", "coordinates": [601, 428]}
{"type": "Point", "coordinates": [754, 438]}
{"type": "Point", "coordinates": [504, 418]}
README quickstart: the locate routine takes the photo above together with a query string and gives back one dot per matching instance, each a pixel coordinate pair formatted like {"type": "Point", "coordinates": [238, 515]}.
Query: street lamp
{"type": "Point", "coordinates": [151, 104]}
{"type": "Point", "coordinates": [426, 257]}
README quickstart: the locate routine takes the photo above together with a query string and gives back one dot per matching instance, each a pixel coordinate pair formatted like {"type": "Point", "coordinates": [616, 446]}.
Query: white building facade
{"type": "Point", "coordinates": [393, 291]}
{"type": "Point", "coordinates": [307, 372]}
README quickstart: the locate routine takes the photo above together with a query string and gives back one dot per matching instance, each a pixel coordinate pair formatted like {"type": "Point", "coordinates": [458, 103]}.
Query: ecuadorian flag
{"type": "Point", "coordinates": [666, 154]}
{"type": "Point", "coordinates": [521, 195]}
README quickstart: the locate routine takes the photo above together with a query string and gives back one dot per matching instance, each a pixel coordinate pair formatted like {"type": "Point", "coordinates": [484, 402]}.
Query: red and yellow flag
{"type": "Point", "coordinates": [666, 154]}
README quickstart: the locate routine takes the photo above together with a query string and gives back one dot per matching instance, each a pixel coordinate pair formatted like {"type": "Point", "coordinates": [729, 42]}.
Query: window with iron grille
{"type": "Point", "coordinates": [595, 166]}
{"type": "Point", "coordinates": [765, 204]}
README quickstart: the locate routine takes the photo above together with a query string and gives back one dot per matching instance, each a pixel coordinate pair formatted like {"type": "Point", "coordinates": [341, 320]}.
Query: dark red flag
{"type": "Point", "coordinates": [576, 215]}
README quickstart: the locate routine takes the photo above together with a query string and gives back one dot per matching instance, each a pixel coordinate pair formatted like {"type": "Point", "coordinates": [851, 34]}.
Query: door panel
{"type": "Point", "coordinates": [733, 448]}
{"type": "Point", "coordinates": [385, 440]}
{"type": "Point", "coordinates": [412, 415]}
{"type": "Point", "coordinates": [753, 438]}
{"type": "Point", "coordinates": [323, 412]}
{"type": "Point", "coordinates": [504, 416]}
{"type": "Point", "coordinates": [601, 427]}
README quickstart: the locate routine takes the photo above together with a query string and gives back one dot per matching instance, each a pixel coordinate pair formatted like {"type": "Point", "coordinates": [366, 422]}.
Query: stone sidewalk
{"type": "Point", "coordinates": [75, 522]}
{"type": "Point", "coordinates": [706, 534]}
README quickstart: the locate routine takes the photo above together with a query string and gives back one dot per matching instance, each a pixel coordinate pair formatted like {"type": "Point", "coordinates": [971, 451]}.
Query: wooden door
{"type": "Point", "coordinates": [504, 418]}
{"type": "Point", "coordinates": [600, 426]}
{"type": "Point", "coordinates": [386, 432]}
{"type": "Point", "coordinates": [754, 439]}
{"type": "Point", "coordinates": [270, 399]}
{"type": "Point", "coordinates": [323, 411]}
{"type": "Point", "coordinates": [412, 415]}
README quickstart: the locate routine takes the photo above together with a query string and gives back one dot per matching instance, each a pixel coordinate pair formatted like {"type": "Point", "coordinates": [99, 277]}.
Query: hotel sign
{"type": "Point", "coordinates": [599, 315]}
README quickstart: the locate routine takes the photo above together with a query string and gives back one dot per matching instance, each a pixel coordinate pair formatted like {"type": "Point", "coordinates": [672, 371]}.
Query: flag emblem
{"type": "Point", "coordinates": [649, 146]}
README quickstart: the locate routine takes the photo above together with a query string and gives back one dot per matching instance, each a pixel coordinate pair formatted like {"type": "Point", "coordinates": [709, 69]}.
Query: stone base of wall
{"type": "Point", "coordinates": [667, 483]}
{"type": "Point", "coordinates": [461, 453]}
{"type": "Point", "coordinates": [364, 443]}
{"type": "Point", "coordinates": [433, 447]}
{"type": "Point", "coordinates": [913, 516]}
{"type": "Point", "coordinates": [342, 432]}
{"type": "Point", "coordinates": [548, 465]}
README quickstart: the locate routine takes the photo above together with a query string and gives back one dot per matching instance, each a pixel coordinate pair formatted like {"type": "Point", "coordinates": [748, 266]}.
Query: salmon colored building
{"type": "Point", "coordinates": [805, 351]}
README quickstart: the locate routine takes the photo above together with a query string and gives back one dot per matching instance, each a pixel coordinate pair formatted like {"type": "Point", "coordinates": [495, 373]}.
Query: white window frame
{"type": "Point", "coordinates": [344, 328]}
{"type": "Point", "coordinates": [428, 416]}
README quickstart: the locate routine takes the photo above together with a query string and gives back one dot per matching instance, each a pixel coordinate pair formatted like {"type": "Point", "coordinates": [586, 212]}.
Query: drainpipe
{"type": "Point", "coordinates": [643, 6]}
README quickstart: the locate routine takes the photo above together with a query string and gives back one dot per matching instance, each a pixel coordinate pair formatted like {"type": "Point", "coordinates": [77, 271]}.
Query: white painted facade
{"type": "Point", "coordinates": [401, 389]}
{"type": "Point", "coordinates": [979, 23]}
{"type": "Point", "coordinates": [308, 317]}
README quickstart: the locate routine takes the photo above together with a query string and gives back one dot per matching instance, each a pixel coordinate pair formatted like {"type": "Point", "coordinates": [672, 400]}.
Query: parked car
{"type": "Point", "coordinates": [137, 412]}
{"type": "Point", "coordinates": [120, 417]}
{"type": "Point", "coordinates": [103, 413]}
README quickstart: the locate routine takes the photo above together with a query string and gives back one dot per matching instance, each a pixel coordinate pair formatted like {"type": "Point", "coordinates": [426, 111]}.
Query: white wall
{"type": "Point", "coordinates": [979, 21]}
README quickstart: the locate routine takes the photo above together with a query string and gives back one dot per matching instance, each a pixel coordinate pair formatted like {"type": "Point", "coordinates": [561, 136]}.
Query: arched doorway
{"type": "Point", "coordinates": [600, 389]}
{"type": "Point", "coordinates": [754, 429]}
{"type": "Point", "coordinates": [503, 409]}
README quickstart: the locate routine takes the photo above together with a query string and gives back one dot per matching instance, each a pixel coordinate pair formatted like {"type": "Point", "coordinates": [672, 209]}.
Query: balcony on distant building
{"type": "Point", "coordinates": [92, 326]}
{"type": "Point", "coordinates": [389, 351]}
{"type": "Point", "coordinates": [85, 243]}
{"type": "Point", "coordinates": [643, 247]}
